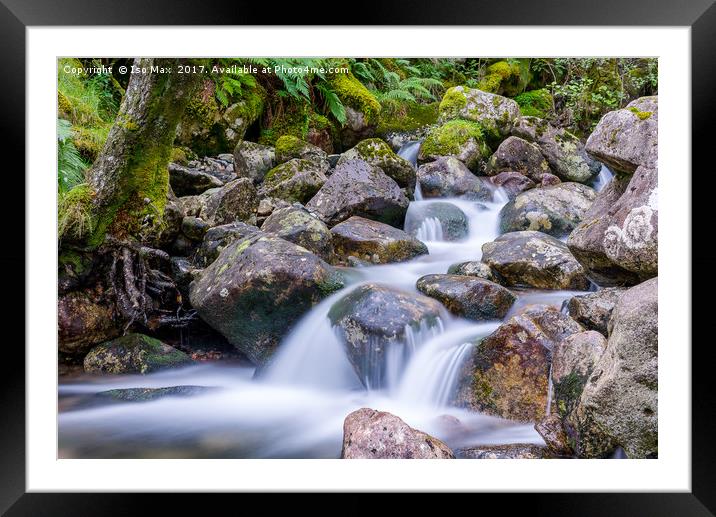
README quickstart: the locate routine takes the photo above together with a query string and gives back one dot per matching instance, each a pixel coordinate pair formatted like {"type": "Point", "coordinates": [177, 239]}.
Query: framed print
{"type": "Point", "coordinates": [255, 252]}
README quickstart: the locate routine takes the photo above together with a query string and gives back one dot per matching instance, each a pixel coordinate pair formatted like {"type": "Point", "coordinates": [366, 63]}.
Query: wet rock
{"type": "Point", "coordinates": [192, 205]}
{"type": "Point", "coordinates": [149, 394]}
{"type": "Point", "coordinates": [253, 160]}
{"type": "Point", "coordinates": [551, 430]}
{"type": "Point", "coordinates": [619, 405]}
{"type": "Point", "coordinates": [375, 242]}
{"type": "Point", "coordinates": [188, 182]}
{"type": "Point", "coordinates": [171, 223]}
{"type": "Point", "coordinates": [573, 361]}
{"type": "Point", "coordinates": [468, 296]}
{"type": "Point", "coordinates": [183, 272]}
{"type": "Point", "coordinates": [593, 310]}
{"type": "Point", "coordinates": [358, 126]}
{"type": "Point", "coordinates": [84, 319]}
{"type": "Point", "coordinates": [550, 179]}
{"type": "Point", "coordinates": [518, 155]}
{"type": "Point", "coordinates": [372, 320]}
{"type": "Point", "coordinates": [523, 451]}
{"type": "Point", "coordinates": [563, 151]}
{"type": "Point", "coordinates": [194, 228]}
{"type": "Point", "coordinates": [493, 112]}
{"type": "Point", "coordinates": [448, 177]}
{"type": "Point", "coordinates": [235, 201]}
{"type": "Point", "coordinates": [617, 240]}
{"type": "Point", "coordinates": [508, 372]}
{"type": "Point", "coordinates": [289, 147]}
{"type": "Point", "coordinates": [371, 434]}
{"type": "Point", "coordinates": [554, 210]}
{"type": "Point", "coordinates": [297, 225]}
{"type": "Point", "coordinates": [534, 259]}
{"type": "Point", "coordinates": [474, 268]}
{"type": "Point", "coordinates": [513, 183]}
{"type": "Point", "coordinates": [357, 188]}
{"type": "Point", "coordinates": [133, 353]}
{"type": "Point", "coordinates": [627, 138]}
{"type": "Point", "coordinates": [257, 288]}
{"type": "Point", "coordinates": [218, 238]}
{"type": "Point", "coordinates": [377, 153]}
{"type": "Point", "coordinates": [459, 139]}
{"type": "Point", "coordinates": [297, 180]}
{"type": "Point", "coordinates": [452, 221]}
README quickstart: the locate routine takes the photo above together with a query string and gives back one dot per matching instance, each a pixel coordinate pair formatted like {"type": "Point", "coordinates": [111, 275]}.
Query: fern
{"type": "Point", "coordinates": [70, 165]}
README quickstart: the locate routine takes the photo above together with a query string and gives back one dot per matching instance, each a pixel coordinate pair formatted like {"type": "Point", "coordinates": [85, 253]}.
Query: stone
{"type": "Point", "coordinates": [379, 154]}
{"type": "Point", "coordinates": [257, 289]}
{"type": "Point", "coordinates": [133, 353]}
{"type": "Point", "coordinates": [459, 139]}
{"type": "Point", "coordinates": [297, 225]}
{"type": "Point", "coordinates": [188, 182]}
{"type": "Point", "coordinates": [555, 210]}
{"type": "Point", "coordinates": [468, 296]}
{"type": "Point", "coordinates": [593, 310]}
{"type": "Point", "coordinates": [474, 268]}
{"type": "Point", "coordinates": [449, 177]}
{"type": "Point", "coordinates": [513, 183]}
{"type": "Point", "coordinates": [518, 155]}
{"type": "Point", "coordinates": [371, 434]}
{"type": "Point", "coordinates": [218, 238]}
{"type": "Point", "coordinates": [493, 112]}
{"type": "Point", "coordinates": [627, 139]}
{"type": "Point", "coordinates": [253, 160]}
{"type": "Point", "coordinates": [357, 188]}
{"type": "Point", "coordinates": [375, 242]}
{"type": "Point", "coordinates": [235, 201]}
{"type": "Point", "coordinates": [534, 259]}
{"type": "Point", "coordinates": [452, 222]}
{"type": "Point", "coordinates": [617, 240]}
{"type": "Point", "coordinates": [84, 319]}
{"type": "Point", "coordinates": [522, 451]}
{"type": "Point", "coordinates": [296, 180]}
{"type": "Point", "coordinates": [372, 320]}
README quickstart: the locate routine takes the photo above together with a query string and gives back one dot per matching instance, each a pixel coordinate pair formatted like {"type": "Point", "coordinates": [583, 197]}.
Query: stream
{"type": "Point", "coordinates": [295, 407]}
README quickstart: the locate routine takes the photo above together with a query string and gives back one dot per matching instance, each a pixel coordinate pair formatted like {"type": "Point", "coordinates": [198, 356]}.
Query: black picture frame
{"type": "Point", "coordinates": [17, 15]}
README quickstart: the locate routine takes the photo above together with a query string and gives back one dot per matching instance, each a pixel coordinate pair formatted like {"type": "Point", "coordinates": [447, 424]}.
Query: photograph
{"type": "Point", "coordinates": [357, 257]}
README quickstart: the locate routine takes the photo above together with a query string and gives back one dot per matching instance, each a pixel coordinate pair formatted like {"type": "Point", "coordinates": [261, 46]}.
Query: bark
{"type": "Point", "coordinates": [130, 178]}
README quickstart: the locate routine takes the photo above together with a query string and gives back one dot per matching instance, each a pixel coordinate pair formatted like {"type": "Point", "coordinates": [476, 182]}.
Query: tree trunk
{"type": "Point", "coordinates": [130, 177]}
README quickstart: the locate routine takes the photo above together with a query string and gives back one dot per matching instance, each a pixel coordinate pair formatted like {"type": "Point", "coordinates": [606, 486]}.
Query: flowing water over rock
{"type": "Point", "coordinates": [295, 406]}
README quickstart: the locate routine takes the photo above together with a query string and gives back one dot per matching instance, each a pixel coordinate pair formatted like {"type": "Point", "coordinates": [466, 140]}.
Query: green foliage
{"type": "Point", "coordinates": [447, 139]}
{"type": "Point", "coordinates": [231, 83]}
{"type": "Point", "coordinates": [74, 213]}
{"type": "Point", "coordinates": [536, 103]}
{"type": "Point", "coordinates": [70, 165]}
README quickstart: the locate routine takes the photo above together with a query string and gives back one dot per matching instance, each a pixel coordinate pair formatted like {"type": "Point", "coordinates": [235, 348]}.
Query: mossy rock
{"type": "Point", "coordinates": [461, 139]}
{"type": "Point", "coordinates": [379, 154]}
{"type": "Point", "coordinates": [289, 147]}
{"type": "Point", "coordinates": [353, 94]}
{"type": "Point", "coordinates": [411, 117]}
{"type": "Point", "coordinates": [297, 180]}
{"type": "Point", "coordinates": [133, 353]}
{"type": "Point", "coordinates": [506, 77]}
{"type": "Point", "coordinates": [74, 214]}
{"type": "Point", "coordinates": [494, 113]}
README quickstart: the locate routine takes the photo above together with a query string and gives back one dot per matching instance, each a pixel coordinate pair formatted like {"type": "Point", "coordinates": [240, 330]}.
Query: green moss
{"type": "Point", "coordinates": [448, 139]}
{"type": "Point", "coordinates": [202, 109]}
{"type": "Point", "coordinates": [293, 121]}
{"type": "Point", "coordinates": [535, 103]}
{"type": "Point", "coordinates": [374, 149]}
{"type": "Point", "coordinates": [452, 103]}
{"type": "Point", "coordinates": [74, 213]}
{"type": "Point", "coordinates": [289, 146]}
{"type": "Point", "coordinates": [642, 115]}
{"type": "Point", "coordinates": [567, 392]}
{"type": "Point", "coordinates": [352, 93]}
{"type": "Point", "coordinates": [506, 77]}
{"type": "Point", "coordinates": [179, 156]}
{"type": "Point", "coordinates": [412, 116]}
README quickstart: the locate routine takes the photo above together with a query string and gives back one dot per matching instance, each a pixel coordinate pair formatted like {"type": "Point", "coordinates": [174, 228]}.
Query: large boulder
{"type": "Point", "coordinates": [358, 188]}
{"type": "Point", "coordinates": [573, 360]}
{"type": "Point", "coordinates": [617, 240]}
{"type": "Point", "coordinates": [626, 139]}
{"type": "Point", "coordinates": [619, 404]}
{"type": "Point", "coordinates": [218, 238]}
{"type": "Point", "coordinates": [373, 241]}
{"type": "Point", "coordinates": [371, 434]}
{"type": "Point", "coordinates": [474, 268]}
{"type": "Point", "coordinates": [451, 220]}
{"type": "Point", "coordinates": [448, 177]}
{"type": "Point", "coordinates": [289, 147]}
{"type": "Point", "coordinates": [593, 310]}
{"type": "Point", "coordinates": [296, 180]}
{"type": "Point", "coordinates": [460, 139]}
{"type": "Point", "coordinates": [534, 259]}
{"type": "Point", "coordinates": [361, 107]}
{"type": "Point", "coordinates": [493, 112]}
{"type": "Point", "coordinates": [297, 225]}
{"type": "Point", "coordinates": [563, 151]}
{"type": "Point", "coordinates": [252, 160]}
{"type": "Point", "coordinates": [84, 319]}
{"type": "Point", "coordinates": [555, 210]}
{"type": "Point", "coordinates": [511, 451]}
{"type": "Point", "coordinates": [235, 201]}
{"type": "Point", "coordinates": [186, 181]}
{"type": "Point", "coordinates": [512, 183]}
{"type": "Point", "coordinates": [468, 296]}
{"type": "Point", "coordinates": [373, 319]}
{"type": "Point", "coordinates": [133, 353]}
{"type": "Point", "coordinates": [257, 288]}
{"type": "Point", "coordinates": [507, 374]}
{"type": "Point", "coordinates": [516, 154]}
{"type": "Point", "coordinates": [379, 154]}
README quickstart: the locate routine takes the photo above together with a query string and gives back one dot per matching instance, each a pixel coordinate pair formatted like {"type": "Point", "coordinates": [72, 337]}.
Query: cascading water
{"type": "Point", "coordinates": [602, 179]}
{"type": "Point", "coordinates": [295, 407]}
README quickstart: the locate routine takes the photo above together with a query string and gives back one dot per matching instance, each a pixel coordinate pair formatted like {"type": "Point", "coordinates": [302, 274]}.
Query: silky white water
{"type": "Point", "coordinates": [295, 407]}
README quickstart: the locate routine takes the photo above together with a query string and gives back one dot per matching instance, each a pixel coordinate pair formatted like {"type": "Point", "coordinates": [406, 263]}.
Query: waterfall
{"type": "Point", "coordinates": [602, 179]}
{"type": "Point", "coordinates": [430, 230]}
{"type": "Point", "coordinates": [409, 151]}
